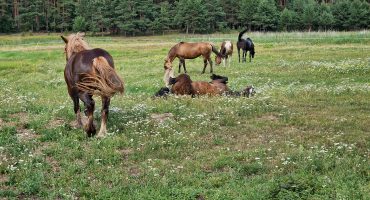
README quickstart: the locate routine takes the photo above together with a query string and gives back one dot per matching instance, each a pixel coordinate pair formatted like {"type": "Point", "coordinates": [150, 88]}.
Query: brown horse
{"type": "Point", "coordinates": [185, 50]}
{"type": "Point", "coordinates": [183, 85]}
{"type": "Point", "coordinates": [90, 72]}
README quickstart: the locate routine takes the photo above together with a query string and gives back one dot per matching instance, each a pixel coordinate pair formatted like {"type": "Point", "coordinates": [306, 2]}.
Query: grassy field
{"type": "Point", "coordinates": [304, 135]}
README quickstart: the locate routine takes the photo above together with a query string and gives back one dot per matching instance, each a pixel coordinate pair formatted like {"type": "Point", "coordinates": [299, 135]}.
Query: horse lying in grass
{"type": "Point", "coordinates": [90, 72]}
{"type": "Point", "coordinates": [185, 50]}
{"type": "Point", "coordinates": [183, 85]}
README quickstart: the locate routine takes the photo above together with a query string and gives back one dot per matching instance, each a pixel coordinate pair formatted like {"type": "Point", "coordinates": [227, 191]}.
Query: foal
{"type": "Point", "coordinates": [90, 72]}
{"type": "Point", "coordinates": [183, 85]}
{"type": "Point", "coordinates": [226, 51]}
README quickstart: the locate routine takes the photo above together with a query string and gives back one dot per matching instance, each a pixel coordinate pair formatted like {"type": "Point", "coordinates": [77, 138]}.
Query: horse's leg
{"type": "Point", "coordinates": [104, 116]}
{"type": "Point", "coordinates": [205, 65]}
{"type": "Point", "coordinates": [239, 54]}
{"type": "Point", "coordinates": [76, 106]}
{"type": "Point", "coordinates": [90, 105]}
{"type": "Point", "coordinates": [180, 62]}
{"type": "Point", "coordinates": [183, 64]}
{"type": "Point", "coordinates": [224, 61]}
{"type": "Point", "coordinates": [250, 57]}
{"type": "Point", "coordinates": [210, 63]}
{"type": "Point", "coordinates": [229, 58]}
{"type": "Point", "coordinates": [244, 56]}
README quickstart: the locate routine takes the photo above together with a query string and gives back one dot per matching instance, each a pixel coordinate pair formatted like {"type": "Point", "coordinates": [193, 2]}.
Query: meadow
{"type": "Point", "coordinates": [304, 135]}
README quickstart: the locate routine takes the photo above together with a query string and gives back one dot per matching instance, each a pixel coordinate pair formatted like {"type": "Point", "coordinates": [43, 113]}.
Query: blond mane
{"type": "Point", "coordinates": [75, 44]}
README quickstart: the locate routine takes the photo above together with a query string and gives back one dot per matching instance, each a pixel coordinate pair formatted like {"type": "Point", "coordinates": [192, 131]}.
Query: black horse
{"type": "Point", "coordinates": [245, 45]}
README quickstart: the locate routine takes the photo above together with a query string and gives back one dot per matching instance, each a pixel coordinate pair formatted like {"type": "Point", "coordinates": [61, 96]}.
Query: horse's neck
{"type": "Point", "coordinates": [171, 56]}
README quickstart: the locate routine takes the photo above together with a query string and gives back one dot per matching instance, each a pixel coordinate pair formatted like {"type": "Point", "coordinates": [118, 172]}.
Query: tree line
{"type": "Point", "coordinates": [139, 17]}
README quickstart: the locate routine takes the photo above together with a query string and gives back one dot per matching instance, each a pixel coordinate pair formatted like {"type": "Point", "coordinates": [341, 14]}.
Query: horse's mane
{"type": "Point", "coordinates": [171, 53]}
{"type": "Point", "coordinates": [241, 34]}
{"type": "Point", "coordinates": [76, 44]}
{"type": "Point", "coordinates": [221, 79]}
{"type": "Point", "coordinates": [182, 85]}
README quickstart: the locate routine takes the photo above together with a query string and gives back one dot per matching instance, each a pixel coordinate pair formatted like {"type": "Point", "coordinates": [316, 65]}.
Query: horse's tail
{"type": "Point", "coordinates": [104, 81]}
{"type": "Point", "coordinates": [241, 34]}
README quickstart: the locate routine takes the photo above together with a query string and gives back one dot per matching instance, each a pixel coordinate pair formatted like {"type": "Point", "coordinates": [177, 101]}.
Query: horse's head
{"type": "Point", "coordinates": [218, 59]}
{"type": "Point", "coordinates": [167, 64]}
{"type": "Point", "coordinates": [252, 53]}
{"type": "Point", "coordinates": [248, 91]}
{"type": "Point", "coordinates": [172, 81]}
{"type": "Point", "coordinates": [74, 43]}
{"type": "Point", "coordinates": [162, 92]}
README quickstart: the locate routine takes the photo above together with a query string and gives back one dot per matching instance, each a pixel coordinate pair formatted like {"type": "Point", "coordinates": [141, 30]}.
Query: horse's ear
{"type": "Point", "coordinates": [64, 39]}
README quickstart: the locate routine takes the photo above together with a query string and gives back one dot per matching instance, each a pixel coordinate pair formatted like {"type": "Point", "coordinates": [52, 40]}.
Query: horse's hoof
{"type": "Point", "coordinates": [90, 130]}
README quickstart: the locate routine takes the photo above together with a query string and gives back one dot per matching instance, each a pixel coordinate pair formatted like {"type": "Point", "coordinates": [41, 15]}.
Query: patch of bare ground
{"type": "Point", "coordinates": [268, 117]}
{"type": "Point", "coordinates": [26, 134]}
{"type": "Point", "coordinates": [160, 118]}
{"type": "Point", "coordinates": [4, 123]}
{"type": "Point", "coordinates": [125, 153]}
{"type": "Point", "coordinates": [53, 123]}
{"type": "Point", "coordinates": [21, 116]}
{"type": "Point", "coordinates": [53, 163]}
{"type": "Point", "coordinates": [134, 171]}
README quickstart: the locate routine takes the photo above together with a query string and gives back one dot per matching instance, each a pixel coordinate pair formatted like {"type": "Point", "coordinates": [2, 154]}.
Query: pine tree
{"type": "Point", "coordinates": [6, 21]}
{"type": "Point", "coordinates": [359, 14]}
{"type": "Point", "coordinates": [286, 19]}
{"type": "Point", "coordinates": [214, 16]}
{"type": "Point", "coordinates": [191, 14]}
{"type": "Point", "coordinates": [247, 13]}
{"type": "Point", "coordinates": [341, 12]}
{"type": "Point", "coordinates": [231, 8]}
{"type": "Point", "coordinates": [326, 18]}
{"type": "Point", "coordinates": [267, 15]}
{"type": "Point", "coordinates": [162, 19]}
{"type": "Point", "coordinates": [310, 15]}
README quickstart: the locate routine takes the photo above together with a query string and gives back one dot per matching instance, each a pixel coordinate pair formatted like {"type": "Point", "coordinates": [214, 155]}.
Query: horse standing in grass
{"type": "Point", "coordinates": [226, 51]}
{"type": "Point", "coordinates": [184, 50]}
{"type": "Point", "coordinates": [90, 72]}
{"type": "Point", "coordinates": [246, 45]}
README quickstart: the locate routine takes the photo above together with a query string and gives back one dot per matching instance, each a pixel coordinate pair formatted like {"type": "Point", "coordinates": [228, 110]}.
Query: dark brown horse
{"type": "Point", "coordinates": [90, 72]}
{"type": "Point", "coordinates": [185, 50]}
{"type": "Point", "coordinates": [183, 85]}
{"type": "Point", "coordinates": [246, 45]}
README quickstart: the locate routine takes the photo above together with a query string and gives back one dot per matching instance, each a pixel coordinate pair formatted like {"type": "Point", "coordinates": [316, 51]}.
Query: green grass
{"type": "Point", "coordinates": [305, 135]}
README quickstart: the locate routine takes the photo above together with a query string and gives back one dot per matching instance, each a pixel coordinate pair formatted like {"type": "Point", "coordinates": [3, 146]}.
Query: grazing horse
{"type": "Point", "coordinates": [185, 50]}
{"type": "Point", "coordinates": [226, 51]}
{"type": "Point", "coordinates": [183, 85]}
{"type": "Point", "coordinates": [246, 45]}
{"type": "Point", "coordinates": [90, 72]}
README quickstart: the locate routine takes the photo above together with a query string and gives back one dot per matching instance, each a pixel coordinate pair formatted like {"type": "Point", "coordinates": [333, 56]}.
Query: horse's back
{"type": "Point", "coordinates": [193, 49]}
{"type": "Point", "coordinates": [87, 56]}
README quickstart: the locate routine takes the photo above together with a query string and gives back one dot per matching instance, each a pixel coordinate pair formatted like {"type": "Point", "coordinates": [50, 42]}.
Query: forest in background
{"type": "Point", "coordinates": [143, 17]}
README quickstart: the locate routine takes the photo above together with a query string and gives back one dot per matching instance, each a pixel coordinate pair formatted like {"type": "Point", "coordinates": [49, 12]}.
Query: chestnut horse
{"type": "Point", "coordinates": [183, 85]}
{"type": "Point", "coordinates": [185, 50]}
{"type": "Point", "coordinates": [90, 72]}
{"type": "Point", "coordinates": [226, 51]}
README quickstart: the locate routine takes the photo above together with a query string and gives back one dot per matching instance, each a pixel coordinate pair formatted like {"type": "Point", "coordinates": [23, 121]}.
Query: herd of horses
{"type": "Point", "coordinates": [90, 72]}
